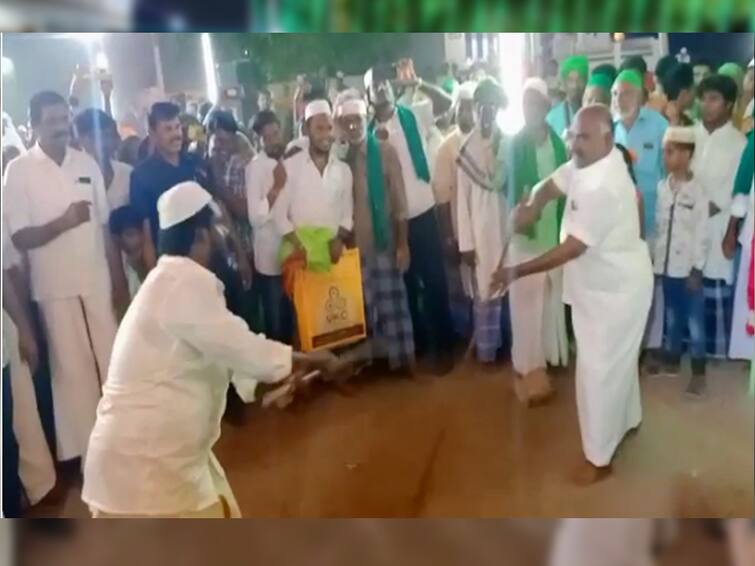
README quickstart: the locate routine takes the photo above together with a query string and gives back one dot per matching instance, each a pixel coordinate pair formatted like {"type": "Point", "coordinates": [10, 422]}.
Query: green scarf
{"type": "Point", "coordinates": [743, 180]}
{"type": "Point", "coordinates": [524, 175]}
{"type": "Point", "coordinates": [408, 122]}
{"type": "Point", "coordinates": [376, 193]}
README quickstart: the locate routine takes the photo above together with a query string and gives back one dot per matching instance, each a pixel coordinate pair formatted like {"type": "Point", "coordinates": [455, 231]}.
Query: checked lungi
{"type": "Point", "coordinates": [719, 299]}
{"type": "Point", "coordinates": [389, 321]}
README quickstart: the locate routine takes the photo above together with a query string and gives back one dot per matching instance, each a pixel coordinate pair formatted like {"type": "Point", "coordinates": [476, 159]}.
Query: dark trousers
{"type": "Point", "coordinates": [427, 287]}
{"type": "Point", "coordinates": [684, 311]}
{"type": "Point", "coordinates": [277, 312]}
{"type": "Point", "coordinates": [11, 481]}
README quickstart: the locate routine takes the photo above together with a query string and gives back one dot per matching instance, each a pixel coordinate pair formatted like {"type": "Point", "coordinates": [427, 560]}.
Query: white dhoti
{"type": "Point", "coordinates": [538, 320]}
{"type": "Point", "coordinates": [609, 328]}
{"type": "Point", "coordinates": [603, 542]}
{"type": "Point", "coordinates": [35, 466]}
{"type": "Point", "coordinates": [742, 345]}
{"type": "Point", "coordinates": [80, 333]}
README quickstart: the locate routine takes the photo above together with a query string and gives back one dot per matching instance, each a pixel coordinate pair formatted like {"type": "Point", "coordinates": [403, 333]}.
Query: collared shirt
{"type": "Point", "coordinates": [560, 118]}
{"type": "Point", "coordinates": [393, 193]}
{"type": "Point", "coordinates": [419, 193]}
{"type": "Point", "coordinates": [681, 242]}
{"type": "Point", "coordinates": [153, 176]}
{"type": "Point", "coordinates": [118, 191]}
{"type": "Point", "coordinates": [311, 198]}
{"type": "Point", "coordinates": [267, 237]}
{"type": "Point", "coordinates": [37, 191]}
{"type": "Point", "coordinates": [444, 180]}
{"type": "Point", "coordinates": [235, 180]}
{"type": "Point", "coordinates": [601, 212]}
{"type": "Point", "coordinates": [162, 403]}
{"type": "Point", "coordinates": [714, 163]}
{"type": "Point", "coordinates": [645, 139]}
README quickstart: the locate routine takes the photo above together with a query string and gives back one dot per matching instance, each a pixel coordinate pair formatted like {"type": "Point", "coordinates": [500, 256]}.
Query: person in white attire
{"type": "Point", "coordinates": [608, 281]}
{"type": "Point", "coordinates": [150, 454]}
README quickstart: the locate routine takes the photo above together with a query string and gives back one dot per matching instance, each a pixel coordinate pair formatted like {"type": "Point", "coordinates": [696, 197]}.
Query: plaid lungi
{"type": "Point", "coordinates": [389, 321]}
{"type": "Point", "coordinates": [487, 329]}
{"type": "Point", "coordinates": [718, 313]}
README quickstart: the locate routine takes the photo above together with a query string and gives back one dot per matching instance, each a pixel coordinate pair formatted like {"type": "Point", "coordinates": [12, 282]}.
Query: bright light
{"type": "Point", "coordinates": [87, 38]}
{"type": "Point", "coordinates": [101, 61]}
{"type": "Point", "coordinates": [7, 66]}
{"type": "Point", "coordinates": [512, 53]}
{"type": "Point", "coordinates": [209, 68]}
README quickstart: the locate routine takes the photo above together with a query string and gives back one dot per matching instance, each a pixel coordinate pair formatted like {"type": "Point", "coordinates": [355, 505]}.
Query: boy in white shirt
{"type": "Point", "coordinates": [681, 249]}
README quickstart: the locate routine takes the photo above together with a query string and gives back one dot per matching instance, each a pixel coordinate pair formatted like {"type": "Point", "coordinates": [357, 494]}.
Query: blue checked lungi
{"type": "Point", "coordinates": [719, 303]}
{"type": "Point", "coordinates": [389, 321]}
{"type": "Point", "coordinates": [488, 333]}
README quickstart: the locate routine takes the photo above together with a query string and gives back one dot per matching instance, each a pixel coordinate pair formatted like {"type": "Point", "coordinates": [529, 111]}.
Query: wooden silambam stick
{"type": "Point", "coordinates": [279, 394]}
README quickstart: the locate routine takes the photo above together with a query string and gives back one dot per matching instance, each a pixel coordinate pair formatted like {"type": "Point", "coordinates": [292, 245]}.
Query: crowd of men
{"type": "Point", "coordinates": [526, 244]}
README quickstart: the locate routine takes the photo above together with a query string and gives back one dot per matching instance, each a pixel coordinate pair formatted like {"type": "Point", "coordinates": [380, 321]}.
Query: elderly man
{"type": "Point", "coordinates": [150, 453]}
{"type": "Point", "coordinates": [426, 278]}
{"type": "Point", "coordinates": [537, 311]}
{"type": "Point", "coordinates": [57, 213]}
{"type": "Point", "coordinates": [380, 233]}
{"type": "Point", "coordinates": [608, 281]}
{"type": "Point", "coordinates": [481, 209]}
{"type": "Point", "coordinates": [718, 150]}
{"type": "Point", "coordinates": [640, 129]}
{"type": "Point", "coordinates": [598, 90]}
{"type": "Point", "coordinates": [445, 187]}
{"type": "Point", "coordinates": [573, 73]}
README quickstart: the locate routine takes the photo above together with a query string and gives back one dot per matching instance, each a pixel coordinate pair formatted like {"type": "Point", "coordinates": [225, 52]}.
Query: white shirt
{"type": "Point", "coordinates": [419, 193]}
{"type": "Point", "coordinates": [601, 212]}
{"type": "Point", "coordinates": [715, 164]}
{"type": "Point", "coordinates": [681, 235]}
{"type": "Point", "coordinates": [11, 258]}
{"type": "Point", "coordinates": [266, 237]}
{"type": "Point", "coordinates": [117, 192]}
{"type": "Point", "coordinates": [313, 199]}
{"type": "Point", "coordinates": [149, 452]}
{"type": "Point", "coordinates": [37, 191]}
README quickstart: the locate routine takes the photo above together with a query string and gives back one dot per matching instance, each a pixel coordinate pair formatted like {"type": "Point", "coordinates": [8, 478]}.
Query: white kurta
{"type": "Point", "coordinates": [176, 351]}
{"type": "Point", "coordinates": [481, 216]}
{"type": "Point", "coordinates": [610, 288]}
{"type": "Point", "coordinates": [603, 542]}
{"type": "Point", "coordinates": [742, 345]}
{"type": "Point", "coordinates": [70, 281]}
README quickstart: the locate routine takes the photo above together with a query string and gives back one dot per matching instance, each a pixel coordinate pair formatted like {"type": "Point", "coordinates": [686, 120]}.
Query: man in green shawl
{"type": "Point", "coordinates": [537, 310]}
{"type": "Point", "coordinates": [380, 233]}
{"type": "Point", "coordinates": [425, 280]}
{"type": "Point", "coordinates": [574, 72]}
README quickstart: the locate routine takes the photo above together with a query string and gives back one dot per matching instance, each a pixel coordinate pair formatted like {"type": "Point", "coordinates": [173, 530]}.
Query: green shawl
{"type": "Point", "coordinates": [524, 175]}
{"type": "Point", "coordinates": [408, 122]}
{"type": "Point", "coordinates": [376, 193]}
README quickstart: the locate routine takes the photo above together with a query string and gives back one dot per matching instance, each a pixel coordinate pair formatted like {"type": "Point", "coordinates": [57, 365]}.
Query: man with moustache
{"type": "Point", "coordinates": [57, 213]}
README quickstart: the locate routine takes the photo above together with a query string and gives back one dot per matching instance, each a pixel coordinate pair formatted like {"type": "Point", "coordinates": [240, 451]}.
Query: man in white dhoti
{"type": "Point", "coordinates": [608, 282]}
{"type": "Point", "coordinates": [537, 310]}
{"type": "Point", "coordinates": [481, 215]}
{"type": "Point", "coordinates": [57, 213]}
{"type": "Point", "coordinates": [150, 454]}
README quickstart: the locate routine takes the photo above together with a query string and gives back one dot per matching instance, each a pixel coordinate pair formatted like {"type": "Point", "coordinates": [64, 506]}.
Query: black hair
{"type": "Point", "coordinates": [221, 120]}
{"type": "Point", "coordinates": [264, 119]}
{"type": "Point", "coordinates": [680, 77]}
{"type": "Point", "coordinates": [177, 240]}
{"type": "Point", "coordinates": [40, 101]}
{"type": "Point", "coordinates": [664, 65]}
{"type": "Point", "coordinates": [162, 112]}
{"type": "Point", "coordinates": [92, 119]}
{"type": "Point", "coordinates": [605, 69]}
{"type": "Point", "coordinates": [204, 110]}
{"type": "Point", "coordinates": [722, 84]}
{"type": "Point", "coordinates": [123, 218]}
{"type": "Point", "coordinates": [636, 63]}
{"type": "Point", "coordinates": [316, 93]}
{"type": "Point", "coordinates": [628, 160]}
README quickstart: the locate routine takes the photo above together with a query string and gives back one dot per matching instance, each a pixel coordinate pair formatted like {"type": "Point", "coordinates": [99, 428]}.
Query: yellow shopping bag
{"type": "Point", "coordinates": [330, 306]}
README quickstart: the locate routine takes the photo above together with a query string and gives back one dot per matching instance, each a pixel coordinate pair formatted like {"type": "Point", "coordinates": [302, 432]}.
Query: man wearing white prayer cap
{"type": "Point", "coordinates": [445, 186]}
{"type": "Point", "coordinates": [538, 319]}
{"type": "Point", "coordinates": [177, 349]}
{"type": "Point", "coordinates": [380, 233]}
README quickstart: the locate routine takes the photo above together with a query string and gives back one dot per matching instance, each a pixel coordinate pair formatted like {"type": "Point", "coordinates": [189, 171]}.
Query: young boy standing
{"type": "Point", "coordinates": [681, 248]}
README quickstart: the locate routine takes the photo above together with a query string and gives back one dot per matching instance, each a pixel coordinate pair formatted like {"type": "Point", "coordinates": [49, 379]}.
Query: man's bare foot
{"type": "Point", "coordinates": [586, 474]}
